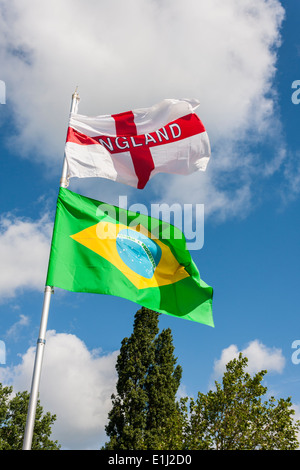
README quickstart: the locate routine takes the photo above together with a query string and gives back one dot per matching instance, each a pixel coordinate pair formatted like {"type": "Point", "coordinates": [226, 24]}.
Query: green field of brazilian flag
{"type": "Point", "coordinates": [99, 248]}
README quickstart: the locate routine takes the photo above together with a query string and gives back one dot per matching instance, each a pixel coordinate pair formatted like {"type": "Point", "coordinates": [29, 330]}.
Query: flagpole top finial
{"type": "Point", "coordinates": [75, 101]}
{"type": "Point", "coordinates": [75, 94]}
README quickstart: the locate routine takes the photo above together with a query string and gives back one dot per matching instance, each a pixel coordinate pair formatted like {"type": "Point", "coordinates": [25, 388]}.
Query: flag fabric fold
{"type": "Point", "coordinates": [99, 248]}
{"type": "Point", "coordinates": [133, 146]}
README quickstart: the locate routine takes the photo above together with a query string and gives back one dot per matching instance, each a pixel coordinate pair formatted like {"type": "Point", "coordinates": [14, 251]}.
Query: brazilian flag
{"type": "Point", "coordinates": [100, 248]}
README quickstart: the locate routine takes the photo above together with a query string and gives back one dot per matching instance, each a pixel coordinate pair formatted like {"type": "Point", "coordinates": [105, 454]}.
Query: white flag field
{"type": "Point", "coordinates": [133, 146]}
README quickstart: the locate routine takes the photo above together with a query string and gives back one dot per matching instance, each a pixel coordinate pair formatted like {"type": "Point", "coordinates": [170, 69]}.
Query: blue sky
{"type": "Point", "coordinates": [240, 61]}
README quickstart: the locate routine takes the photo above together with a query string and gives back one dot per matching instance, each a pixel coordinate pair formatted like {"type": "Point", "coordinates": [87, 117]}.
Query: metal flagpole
{"type": "Point", "coordinates": [43, 327]}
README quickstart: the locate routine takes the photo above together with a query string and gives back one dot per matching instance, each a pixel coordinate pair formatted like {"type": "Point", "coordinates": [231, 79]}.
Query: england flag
{"type": "Point", "coordinates": [133, 146]}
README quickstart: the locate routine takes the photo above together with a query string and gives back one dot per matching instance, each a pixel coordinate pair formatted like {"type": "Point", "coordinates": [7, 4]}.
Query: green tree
{"type": "Point", "coordinates": [148, 380]}
{"type": "Point", "coordinates": [235, 416]}
{"type": "Point", "coordinates": [13, 415]}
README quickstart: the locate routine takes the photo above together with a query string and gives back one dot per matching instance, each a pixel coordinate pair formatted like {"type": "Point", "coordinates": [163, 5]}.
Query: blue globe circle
{"type": "Point", "coordinates": [139, 253]}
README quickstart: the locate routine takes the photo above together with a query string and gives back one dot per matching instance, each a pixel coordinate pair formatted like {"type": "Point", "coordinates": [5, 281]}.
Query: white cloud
{"type": "Point", "coordinates": [133, 54]}
{"type": "Point", "coordinates": [13, 331]}
{"type": "Point", "coordinates": [260, 357]}
{"type": "Point", "coordinates": [24, 252]}
{"type": "Point", "coordinates": [76, 385]}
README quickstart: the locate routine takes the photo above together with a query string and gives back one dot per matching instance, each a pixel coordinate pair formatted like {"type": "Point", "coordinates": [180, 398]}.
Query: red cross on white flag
{"type": "Point", "coordinates": [133, 146]}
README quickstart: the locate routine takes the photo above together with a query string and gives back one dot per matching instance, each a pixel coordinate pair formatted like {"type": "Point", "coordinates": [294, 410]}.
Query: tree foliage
{"type": "Point", "coordinates": [13, 415]}
{"type": "Point", "coordinates": [236, 415]}
{"type": "Point", "coordinates": [148, 379]}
